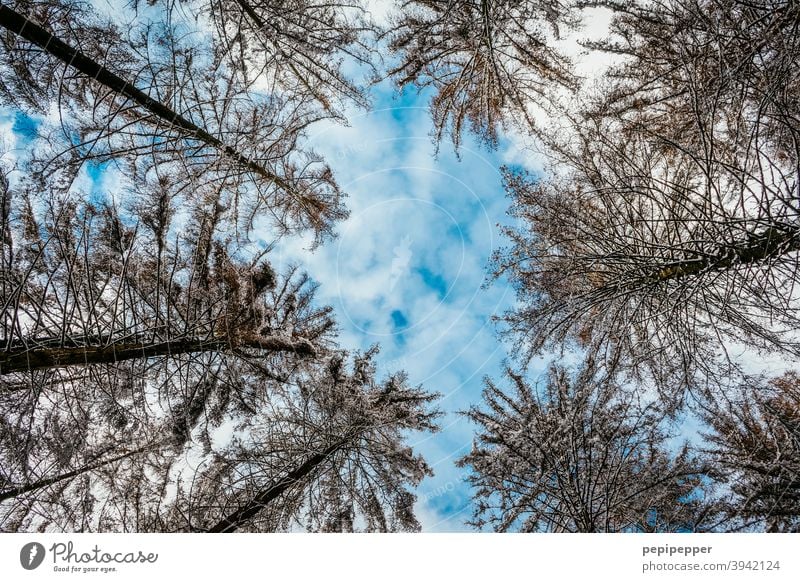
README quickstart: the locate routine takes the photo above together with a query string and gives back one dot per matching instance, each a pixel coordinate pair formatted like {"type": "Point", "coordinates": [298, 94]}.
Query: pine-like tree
{"type": "Point", "coordinates": [577, 453]}
{"type": "Point", "coordinates": [488, 61]}
{"type": "Point", "coordinates": [755, 441]}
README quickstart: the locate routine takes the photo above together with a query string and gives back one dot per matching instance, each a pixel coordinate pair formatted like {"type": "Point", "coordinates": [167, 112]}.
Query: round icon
{"type": "Point", "coordinates": [31, 555]}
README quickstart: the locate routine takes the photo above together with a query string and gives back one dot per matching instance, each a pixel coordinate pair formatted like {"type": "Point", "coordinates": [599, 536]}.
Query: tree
{"type": "Point", "coordinates": [116, 105]}
{"type": "Point", "coordinates": [651, 255]}
{"type": "Point", "coordinates": [668, 227]}
{"type": "Point", "coordinates": [488, 61]}
{"type": "Point", "coordinates": [334, 460]}
{"type": "Point", "coordinates": [298, 45]}
{"type": "Point", "coordinates": [87, 289]}
{"type": "Point", "coordinates": [707, 73]}
{"type": "Point", "coordinates": [755, 441]}
{"type": "Point", "coordinates": [323, 451]}
{"type": "Point", "coordinates": [579, 454]}
{"type": "Point", "coordinates": [149, 331]}
{"type": "Point", "coordinates": [141, 308]}
{"type": "Point", "coordinates": [113, 333]}
{"type": "Point", "coordinates": [665, 230]}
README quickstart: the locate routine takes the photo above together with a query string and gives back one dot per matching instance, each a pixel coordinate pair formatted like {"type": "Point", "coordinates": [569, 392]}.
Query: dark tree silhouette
{"type": "Point", "coordinates": [579, 454]}
{"type": "Point", "coordinates": [755, 440]}
{"type": "Point", "coordinates": [488, 61]}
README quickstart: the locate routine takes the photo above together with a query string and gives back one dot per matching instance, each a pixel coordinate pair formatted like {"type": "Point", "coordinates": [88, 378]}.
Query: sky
{"type": "Point", "coordinates": [409, 270]}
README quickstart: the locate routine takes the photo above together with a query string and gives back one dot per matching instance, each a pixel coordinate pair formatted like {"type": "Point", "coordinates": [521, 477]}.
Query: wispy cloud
{"type": "Point", "coordinates": [408, 269]}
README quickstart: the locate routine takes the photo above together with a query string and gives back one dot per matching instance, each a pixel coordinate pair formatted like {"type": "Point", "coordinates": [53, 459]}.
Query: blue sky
{"type": "Point", "coordinates": [408, 269]}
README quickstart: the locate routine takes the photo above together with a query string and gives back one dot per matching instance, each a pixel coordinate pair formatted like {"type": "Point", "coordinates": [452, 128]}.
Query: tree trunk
{"type": "Point", "coordinates": [55, 47]}
{"type": "Point", "coordinates": [769, 244]}
{"type": "Point", "coordinates": [21, 360]}
{"type": "Point", "coordinates": [22, 489]}
{"type": "Point", "coordinates": [239, 517]}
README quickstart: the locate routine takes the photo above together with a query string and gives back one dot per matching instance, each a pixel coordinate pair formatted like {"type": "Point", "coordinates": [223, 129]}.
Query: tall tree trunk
{"type": "Point", "coordinates": [22, 489]}
{"type": "Point", "coordinates": [57, 48]}
{"type": "Point", "coordinates": [772, 243]}
{"type": "Point", "coordinates": [21, 360]}
{"type": "Point", "coordinates": [242, 515]}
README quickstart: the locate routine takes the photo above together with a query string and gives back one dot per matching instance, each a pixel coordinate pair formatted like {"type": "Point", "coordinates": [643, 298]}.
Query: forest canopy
{"type": "Point", "coordinates": [160, 372]}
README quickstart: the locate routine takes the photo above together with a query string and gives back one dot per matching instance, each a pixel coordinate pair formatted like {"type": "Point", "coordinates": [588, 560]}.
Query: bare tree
{"type": "Point", "coordinates": [138, 331]}
{"type": "Point", "coordinates": [667, 230]}
{"type": "Point", "coordinates": [488, 61]}
{"type": "Point", "coordinates": [323, 451]}
{"type": "Point", "coordinates": [298, 46]}
{"type": "Point", "coordinates": [114, 332]}
{"type": "Point", "coordinates": [755, 440]}
{"type": "Point", "coordinates": [93, 465]}
{"type": "Point", "coordinates": [705, 73]}
{"type": "Point", "coordinates": [332, 460]}
{"type": "Point", "coordinates": [90, 286]}
{"type": "Point", "coordinates": [578, 454]}
{"type": "Point", "coordinates": [158, 104]}
{"type": "Point", "coordinates": [652, 255]}
{"type": "Point", "coordinates": [668, 227]}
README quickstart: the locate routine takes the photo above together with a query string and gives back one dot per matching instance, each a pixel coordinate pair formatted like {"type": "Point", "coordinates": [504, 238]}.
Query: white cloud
{"type": "Point", "coordinates": [424, 302]}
